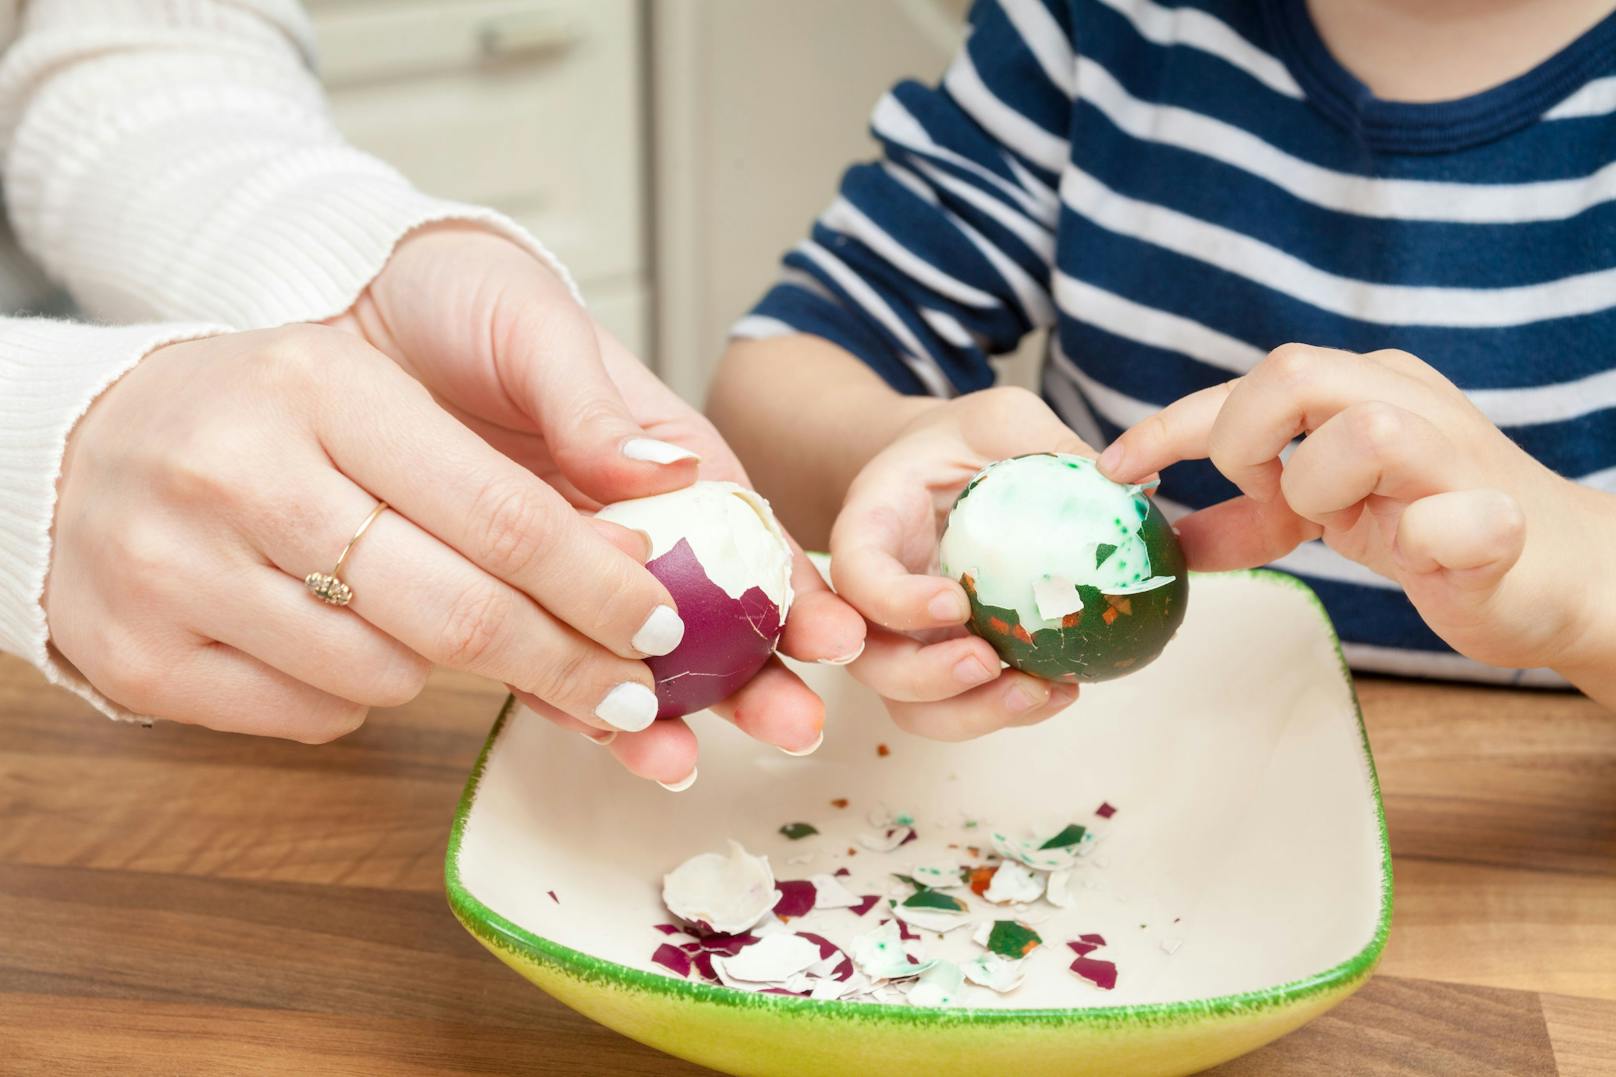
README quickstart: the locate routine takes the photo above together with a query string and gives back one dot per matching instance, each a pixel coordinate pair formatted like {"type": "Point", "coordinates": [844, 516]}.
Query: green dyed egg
{"type": "Point", "coordinates": [1067, 571]}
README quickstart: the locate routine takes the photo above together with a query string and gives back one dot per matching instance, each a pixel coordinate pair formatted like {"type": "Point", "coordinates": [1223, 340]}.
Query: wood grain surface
{"type": "Point", "coordinates": [179, 901]}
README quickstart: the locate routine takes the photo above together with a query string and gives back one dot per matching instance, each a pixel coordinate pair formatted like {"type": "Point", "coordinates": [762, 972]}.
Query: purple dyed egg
{"type": "Point", "coordinates": [723, 557]}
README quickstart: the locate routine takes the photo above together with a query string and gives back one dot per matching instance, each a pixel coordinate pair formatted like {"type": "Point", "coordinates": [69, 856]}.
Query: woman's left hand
{"type": "Point", "coordinates": [498, 339]}
{"type": "Point", "coordinates": [1400, 472]}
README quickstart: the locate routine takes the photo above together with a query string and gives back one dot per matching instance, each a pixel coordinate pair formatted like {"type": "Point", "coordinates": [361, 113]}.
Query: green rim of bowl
{"type": "Point", "coordinates": [496, 931]}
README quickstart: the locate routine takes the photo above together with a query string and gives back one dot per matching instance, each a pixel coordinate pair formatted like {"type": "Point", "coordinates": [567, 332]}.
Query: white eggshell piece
{"type": "Point", "coordinates": [773, 960]}
{"type": "Point", "coordinates": [938, 986]}
{"type": "Point", "coordinates": [995, 972]}
{"type": "Point", "coordinates": [882, 955]}
{"type": "Point", "coordinates": [1013, 882]}
{"type": "Point", "coordinates": [829, 893]}
{"type": "Point", "coordinates": [939, 876]}
{"type": "Point", "coordinates": [1058, 891]}
{"type": "Point", "coordinates": [728, 892]}
{"type": "Point", "coordinates": [1028, 853]}
{"type": "Point", "coordinates": [939, 920]}
{"type": "Point", "coordinates": [1056, 596]}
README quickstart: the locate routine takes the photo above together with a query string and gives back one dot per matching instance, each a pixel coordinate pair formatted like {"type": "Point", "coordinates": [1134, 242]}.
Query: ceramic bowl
{"type": "Point", "coordinates": [1248, 839]}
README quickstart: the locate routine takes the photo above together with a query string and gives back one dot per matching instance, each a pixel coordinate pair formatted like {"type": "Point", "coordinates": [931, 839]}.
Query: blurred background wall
{"type": "Point", "coordinates": [668, 150]}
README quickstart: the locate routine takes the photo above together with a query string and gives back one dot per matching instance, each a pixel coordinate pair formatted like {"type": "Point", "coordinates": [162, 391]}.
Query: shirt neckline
{"type": "Point", "coordinates": [1431, 126]}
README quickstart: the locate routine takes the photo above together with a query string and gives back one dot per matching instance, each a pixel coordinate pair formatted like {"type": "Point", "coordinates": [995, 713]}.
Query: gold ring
{"type": "Point", "coordinates": [328, 586]}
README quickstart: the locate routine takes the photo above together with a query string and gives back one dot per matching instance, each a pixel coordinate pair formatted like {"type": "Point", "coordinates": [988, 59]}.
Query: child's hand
{"type": "Point", "coordinates": [1399, 472]}
{"type": "Point", "coordinates": [937, 680]}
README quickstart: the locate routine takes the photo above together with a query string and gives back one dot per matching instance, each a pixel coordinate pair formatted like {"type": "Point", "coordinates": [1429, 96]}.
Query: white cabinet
{"type": "Point", "coordinates": [533, 107]}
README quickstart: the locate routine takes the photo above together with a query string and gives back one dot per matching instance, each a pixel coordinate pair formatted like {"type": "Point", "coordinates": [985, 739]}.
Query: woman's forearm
{"type": "Point", "coordinates": [804, 416]}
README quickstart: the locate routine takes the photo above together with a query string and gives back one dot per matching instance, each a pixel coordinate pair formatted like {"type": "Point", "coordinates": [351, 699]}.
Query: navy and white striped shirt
{"type": "Point", "coordinates": [1175, 188]}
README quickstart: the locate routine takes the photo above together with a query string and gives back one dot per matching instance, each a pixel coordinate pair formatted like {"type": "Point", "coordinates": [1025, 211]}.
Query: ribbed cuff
{"type": "Point", "coordinates": [310, 234]}
{"type": "Point", "coordinates": [50, 374]}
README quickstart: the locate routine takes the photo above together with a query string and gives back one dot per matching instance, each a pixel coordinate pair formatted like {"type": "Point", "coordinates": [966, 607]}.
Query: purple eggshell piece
{"type": "Point", "coordinates": [728, 945]}
{"type": "Point", "coordinates": [726, 642]}
{"type": "Point", "coordinates": [1098, 940]}
{"type": "Point", "coordinates": [841, 873]}
{"type": "Point", "coordinates": [1102, 974]}
{"type": "Point", "coordinates": [673, 959]}
{"type": "Point", "coordinates": [797, 897]}
{"type": "Point", "coordinates": [866, 903]}
{"type": "Point", "coordinates": [844, 970]}
{"type": "Point", "coordinates": [826, 947]}
{"type": "Point", "coordinates": [704, 965]}
{"type": "Point", "coordinates": [1082, 949]}
{"type": "Point", "coordinates": [670, 929]}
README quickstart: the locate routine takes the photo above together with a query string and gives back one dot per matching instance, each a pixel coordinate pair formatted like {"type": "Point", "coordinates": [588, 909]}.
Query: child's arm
{"type": "Point", "coordinates": [1506, 561]}
{"type": "Point", "coordinates": [928, 263]}
{"type": "Point", "coordinates": [805, 416]}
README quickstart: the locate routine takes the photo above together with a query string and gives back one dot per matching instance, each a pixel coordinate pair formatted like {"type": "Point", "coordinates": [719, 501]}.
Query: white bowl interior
{"type": "Point", "coordinates": [1245, 797]}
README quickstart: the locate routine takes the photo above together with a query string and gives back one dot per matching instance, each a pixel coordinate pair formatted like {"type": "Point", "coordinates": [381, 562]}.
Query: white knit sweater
{"type": "Point", "coordinates": [172, 164]}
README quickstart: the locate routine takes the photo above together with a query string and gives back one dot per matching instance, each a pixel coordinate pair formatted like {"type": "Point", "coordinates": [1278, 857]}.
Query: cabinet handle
{"type": "Point", "coordinates": [524, 35]}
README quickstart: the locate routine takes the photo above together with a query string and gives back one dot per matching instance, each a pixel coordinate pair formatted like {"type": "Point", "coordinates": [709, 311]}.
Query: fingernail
{"type": "Point", "coordinates": [660, 633]}
{"type": "Point", "coordinates": [650, 544]}
{"type": "Point", "coordinates": [599, 736]}
{"type": "Point", "coordinates": [1063, 695]}
{"type": "Point", "coordinates": [846, 659]}
{"type": "Point", "coordinates": [972, 670]}
{"type": "Point", "coordinates": [628, 706]}
{"type": "Point", "coordinates": [947, 606]}
{"type": "Point", "coordinates": [1023, 697]}
{"type": "Point", "coordinates": [682, 784]}
{"type": "Point", "coordinates": [811, 749]}
{"type": "Point", "coordinates": [654, 451]}
{"type": "Point", "coordinates": [1111, 460]}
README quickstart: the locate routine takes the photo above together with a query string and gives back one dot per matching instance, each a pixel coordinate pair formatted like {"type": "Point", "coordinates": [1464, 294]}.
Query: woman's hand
{"type": "Point", "coordinates": [207, 482]}
{"type": "Point", "coordinates": [501, 343]}
{"type": "Point", "coordinates": [935, 679]}
{"type": "Point", "coordinates": [1399, 472]}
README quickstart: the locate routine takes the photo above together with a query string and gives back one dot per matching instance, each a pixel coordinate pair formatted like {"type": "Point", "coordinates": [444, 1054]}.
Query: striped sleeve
{"type": "Point", "coordinates": [938, 256]}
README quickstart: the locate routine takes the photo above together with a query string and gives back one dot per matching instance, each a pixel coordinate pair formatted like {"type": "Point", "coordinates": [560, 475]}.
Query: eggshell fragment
{"type": "Point", "coordinates": [721, 892]}
{"type": "Point", "coordinates": [722, 555]}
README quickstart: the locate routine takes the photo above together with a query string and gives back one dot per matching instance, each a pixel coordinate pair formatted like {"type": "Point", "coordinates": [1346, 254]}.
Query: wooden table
{"type": "Point", "coordinates": [173, 900]}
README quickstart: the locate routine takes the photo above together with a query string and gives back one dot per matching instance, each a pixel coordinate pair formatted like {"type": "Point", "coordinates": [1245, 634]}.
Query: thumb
{"type": "Point", "coordinates": [552, 359]}
{"type": "Point", "coordinates": [1461, 543]}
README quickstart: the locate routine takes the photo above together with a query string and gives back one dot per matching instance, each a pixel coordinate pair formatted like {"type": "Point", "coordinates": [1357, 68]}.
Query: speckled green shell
{"type": "Point", "coordinates": [1111, 635]}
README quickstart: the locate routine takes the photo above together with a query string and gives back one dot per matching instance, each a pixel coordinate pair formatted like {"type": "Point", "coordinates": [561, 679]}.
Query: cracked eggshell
{"type": "Point", "coordinates": [721, 554]}
{"type": "Point", "coordinates": [721, 892]}
{"type": "Point", "coordinates": [1068, 573]}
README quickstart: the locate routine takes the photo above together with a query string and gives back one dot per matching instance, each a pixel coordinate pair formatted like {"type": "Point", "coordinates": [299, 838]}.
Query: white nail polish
{"type": "Point", "coordinates": [846, 659]}
{"type": "Point", "coordinates": [601, 737]}
{"type": "Point", "coordinates": [682, 784]}
{"type": "Point", "coordinates": [655, 451]}
{"type": "Point", "coordinates": [660, 633]}
{"type": "Point", "coordinates": [811, 749]}
{"type": "Point", "coordinates": [629, 706]}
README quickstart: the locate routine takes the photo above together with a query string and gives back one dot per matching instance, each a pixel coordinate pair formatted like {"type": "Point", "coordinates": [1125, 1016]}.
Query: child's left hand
{"type": "Point", "coordinates": [1400, 472]}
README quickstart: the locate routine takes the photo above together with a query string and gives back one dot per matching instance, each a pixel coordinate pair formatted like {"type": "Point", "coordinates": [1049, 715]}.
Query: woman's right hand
{"type": "Point", "coordinates": [201, 488]}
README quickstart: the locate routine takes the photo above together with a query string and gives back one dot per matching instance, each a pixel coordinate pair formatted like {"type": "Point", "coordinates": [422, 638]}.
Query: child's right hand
{"type": "Point", "coordinates": [935, 679]}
